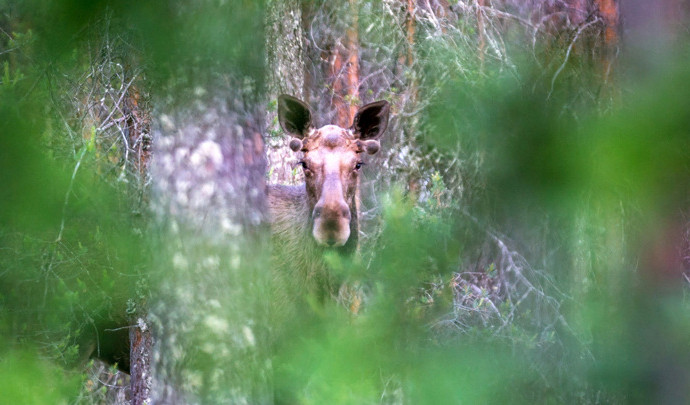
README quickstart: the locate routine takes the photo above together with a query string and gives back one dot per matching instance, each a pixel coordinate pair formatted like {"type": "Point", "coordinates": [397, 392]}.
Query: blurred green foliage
{"type": "Point", "coordinates": [609, 187]}
{"type": "Point", "coordinates": [26, 379]}
{"type": "Point", "coordinates": [74, 235]}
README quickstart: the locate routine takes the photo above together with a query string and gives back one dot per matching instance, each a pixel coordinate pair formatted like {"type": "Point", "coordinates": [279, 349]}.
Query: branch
{"type": "Point", "coordinates": [69, 191]}
{"type": "Point", "coordinates": [567, 54]}
{"type": "Point", "coordinates": [122, 95]}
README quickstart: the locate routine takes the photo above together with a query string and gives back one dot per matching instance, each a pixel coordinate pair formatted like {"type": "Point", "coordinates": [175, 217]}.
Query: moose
{"type": "Point", "coordinates": [309, 219]}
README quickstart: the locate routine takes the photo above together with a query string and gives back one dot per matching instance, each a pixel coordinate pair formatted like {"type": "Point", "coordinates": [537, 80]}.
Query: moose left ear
{"type": "Point", "coordinates": [294, 117]}
{"type": "Point", "coordinates": [371, 120]}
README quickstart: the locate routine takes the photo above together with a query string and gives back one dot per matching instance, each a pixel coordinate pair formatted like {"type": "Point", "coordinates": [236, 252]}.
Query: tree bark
{"type": "Point", "coordinates": [344, 72]}
{"type": "Point", "coordinates": [141, 344]}
{"type": "Point", "coordinates": [608, 10]}
{"type": "Point", "coordinates": [210, 317]}
{"type": "Point", "coordinates": [285, 58]}
{"type": "Point", "coordinates": [407, 58]}
{"type": "Point", "coordinates": [285, 48]}
{"type": "Point", "coordinates": [481, 33]}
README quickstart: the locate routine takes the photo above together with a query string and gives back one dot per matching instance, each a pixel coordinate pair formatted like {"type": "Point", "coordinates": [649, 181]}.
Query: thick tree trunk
{"type": "Point", "coordinates": [210, 315]}
{"type": "Point", "coordinates": [284, 48]}
{"type": "Point", "coordinates": [652, 25]}
{"type": "Point", "coordinates": [285, 58]}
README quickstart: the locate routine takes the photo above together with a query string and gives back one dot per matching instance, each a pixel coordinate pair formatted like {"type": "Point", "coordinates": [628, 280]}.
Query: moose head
{"type": "Point", "coordinates": [331, 158]}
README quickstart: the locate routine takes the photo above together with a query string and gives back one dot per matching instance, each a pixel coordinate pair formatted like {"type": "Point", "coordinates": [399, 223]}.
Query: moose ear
{"type": "Point", "coordinates": [371, 120]}
{"type": "Point", "coordinates": [294, 116]}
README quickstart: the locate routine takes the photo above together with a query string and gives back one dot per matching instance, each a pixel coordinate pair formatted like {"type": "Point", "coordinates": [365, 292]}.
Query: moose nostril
{"type": "Point", "coordinates": [317, 212]}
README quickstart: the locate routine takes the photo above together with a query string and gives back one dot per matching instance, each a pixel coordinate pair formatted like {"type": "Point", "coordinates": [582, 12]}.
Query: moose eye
{"type": "Point", "coordinates": [303, 164]}
{"type": "Point", "coordinates": [359, 165]}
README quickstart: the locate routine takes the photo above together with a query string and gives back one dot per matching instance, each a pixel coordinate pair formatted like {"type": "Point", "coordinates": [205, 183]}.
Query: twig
{"type": "Point", "coordinates": [122, 95]}
{"type": "Point", "coordinates": [567, 54]}
{"type": "Point", "coordinates": [9, 50]}
{"type": "Point", "coordinates": [69, 191]}
{"type": "Point", "coordinates": [121, 328]}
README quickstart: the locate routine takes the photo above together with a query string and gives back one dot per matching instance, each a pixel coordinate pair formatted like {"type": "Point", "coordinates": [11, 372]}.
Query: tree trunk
{"type": "Point", "coordinates": [344, 72]}
{"type": "Point", "coordinates": [608, 10]}
{"type": "Point", "coordinates": [141, 344]}
{"type": "Point", "coordinates": [481, 33]}
{"type": "Point", "coordinates": [407, 58]}
{"type": "Point", "coordinates": [285, 58]}
{"type": "Point", "coordinates": [210, 316]}
{"type": "Point", "coordinates": [284, 48]}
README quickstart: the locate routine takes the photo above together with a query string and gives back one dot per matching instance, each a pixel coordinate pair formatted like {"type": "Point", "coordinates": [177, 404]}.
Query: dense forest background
{"type": "Point", "coordinates": [525, 228]}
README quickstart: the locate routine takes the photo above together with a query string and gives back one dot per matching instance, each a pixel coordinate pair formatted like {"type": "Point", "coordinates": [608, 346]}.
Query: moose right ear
{"type": "Point", "coordinates": [294, 116]}
{"type": "Point", "coordinates": [371, 121]}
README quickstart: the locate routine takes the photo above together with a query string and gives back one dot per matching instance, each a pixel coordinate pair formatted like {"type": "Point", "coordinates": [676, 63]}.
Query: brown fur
{"type": "Point", "coordinates": [295, 252]}
{"type": "Point", "coordinates": [321, 215]}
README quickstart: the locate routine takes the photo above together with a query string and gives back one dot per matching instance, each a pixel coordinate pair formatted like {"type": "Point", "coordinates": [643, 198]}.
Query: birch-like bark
{"type": "Point", "coordinates": [210, 312]}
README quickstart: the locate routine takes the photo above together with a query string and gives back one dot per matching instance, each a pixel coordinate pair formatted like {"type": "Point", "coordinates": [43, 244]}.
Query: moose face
{"type": "Point", "coordinates": [331, 160]}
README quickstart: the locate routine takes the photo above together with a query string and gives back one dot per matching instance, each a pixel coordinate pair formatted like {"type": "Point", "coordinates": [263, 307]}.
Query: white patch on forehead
{"type": "Point", "coordinates": [331, 162]}
{"type": "Point", "coordinates": [328, 151]}
{"type": "Point", "coordinates": [330, 128]}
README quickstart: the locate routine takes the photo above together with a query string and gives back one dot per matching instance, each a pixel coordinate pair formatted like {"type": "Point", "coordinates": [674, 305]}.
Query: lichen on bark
{"type": "Point", "coordinates": [285, 61]}
{"type": "Point", "coordinates": [209, 316]}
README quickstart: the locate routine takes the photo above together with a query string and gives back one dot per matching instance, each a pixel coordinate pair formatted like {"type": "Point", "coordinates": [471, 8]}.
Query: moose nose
{"type": "Point", "coordinates": [332, 211]}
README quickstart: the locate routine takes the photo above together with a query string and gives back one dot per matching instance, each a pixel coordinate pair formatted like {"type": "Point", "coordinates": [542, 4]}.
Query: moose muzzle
{"type": "Point", "coordinates": [331, 217]}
